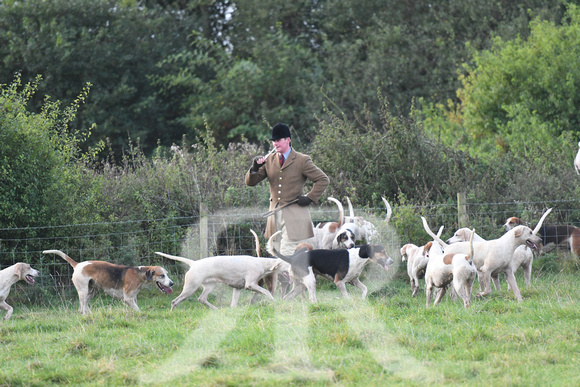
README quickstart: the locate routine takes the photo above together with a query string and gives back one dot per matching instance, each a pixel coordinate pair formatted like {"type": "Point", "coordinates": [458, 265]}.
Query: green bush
{"type": "Point", "coordinates": [40, 162]}
{"type": "Point", "coordinates": [519, 96]}
{"type": "Point", "coordinates": [366, 159]}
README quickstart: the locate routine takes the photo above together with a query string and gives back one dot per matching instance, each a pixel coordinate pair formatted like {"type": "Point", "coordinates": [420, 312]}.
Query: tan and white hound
{"type": "Point", "coordinates": [118, 281]}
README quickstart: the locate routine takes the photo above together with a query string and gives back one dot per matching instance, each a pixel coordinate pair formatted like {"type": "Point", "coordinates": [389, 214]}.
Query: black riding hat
{"type": "Point", "coordinates": [279, 131]}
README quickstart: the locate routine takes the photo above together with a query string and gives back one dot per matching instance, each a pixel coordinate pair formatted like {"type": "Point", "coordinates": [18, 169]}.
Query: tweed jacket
{"type": "Point", "coordinates": [286, 184]}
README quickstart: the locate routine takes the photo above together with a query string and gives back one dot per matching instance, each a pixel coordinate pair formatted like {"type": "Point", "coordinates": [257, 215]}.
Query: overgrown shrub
{"type": "Point", "coordinates": [366, 160]}
{"type": "Point", "coordinates": [40, 162]}
{"type": "Point", "coordinates": [176, 181]}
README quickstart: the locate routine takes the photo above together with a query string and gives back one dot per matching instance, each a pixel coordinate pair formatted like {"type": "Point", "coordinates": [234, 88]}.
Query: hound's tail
{"type": "Point", "coordinates": [187, 261]}
{"type": "Point", "coordinates": [350, 209]}
{"type": "Point", "coordinates": [471, 244]}
{"type": "Point", "coordinates": [436, 238]}
{"type": "Point", "coordinates": [72, 262]}
{"type": "Point", "coordinates": [340, 210]}
{"type": "Point", "coordinates": [389, 210]}
{"type": "Point", "coordinates": [257, 240]}
{"type": "Point", "coordinates": [272, 250]}
{"type": "Point", "coordinates": [539, 225]}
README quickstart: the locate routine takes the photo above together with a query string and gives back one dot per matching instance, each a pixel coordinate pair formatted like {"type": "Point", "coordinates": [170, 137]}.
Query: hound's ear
{"type": "Point", "coordinates": [364, 251]}
{"type": "Point", "coordinates": [518, 232]}
{"type": "Point", "coordinates": [18, 269]}
{"type": "Point", "coordinates": [276, 265]}
{"type": "Point", "coordinates": [403, 253]}
{"type": "Point", "coordinates": [149, 274]}
{"type": "Point", "coordinates": [404, 250]}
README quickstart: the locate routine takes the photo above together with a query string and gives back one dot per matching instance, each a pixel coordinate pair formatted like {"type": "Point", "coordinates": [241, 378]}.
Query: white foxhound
{"type": "Point", "coordinates": [9, 276]}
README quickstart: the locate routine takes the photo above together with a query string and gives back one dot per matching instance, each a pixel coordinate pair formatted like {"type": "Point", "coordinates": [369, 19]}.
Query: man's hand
{"type": "Point", "coordinates": [257, 163]}
{"type": "Point", "coordinates": [304, 200]}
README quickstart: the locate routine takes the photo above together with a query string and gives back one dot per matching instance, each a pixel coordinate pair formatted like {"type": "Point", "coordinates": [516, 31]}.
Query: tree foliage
{"type": "Point", "coordinates": [153, 80]}
{"type": "Point", "coordinates": [113, 45]}
{"type": "Point", "coordinates": [235, 95]}
{"type": "Point", "coordinates": [40, 162]}
{"type": "Point", "coordinates": [520, 95]}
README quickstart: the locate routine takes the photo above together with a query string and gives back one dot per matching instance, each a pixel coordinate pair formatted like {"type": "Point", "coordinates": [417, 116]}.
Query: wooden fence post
{"type": "Point", "coordinates": [203, 231]}
{"type": "Point", "coordinates": [461, 209]}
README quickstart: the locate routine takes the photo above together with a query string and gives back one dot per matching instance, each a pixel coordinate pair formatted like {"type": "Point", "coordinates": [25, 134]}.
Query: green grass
{"type": "Point", "coordinates": [389, 339]}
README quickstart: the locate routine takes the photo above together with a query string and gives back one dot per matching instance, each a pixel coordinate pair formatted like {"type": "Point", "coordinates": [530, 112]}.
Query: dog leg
{"type": "Point", "coordinates": [511, 279]}
{"type": "Point", "coordinates": [297, 289]}
{"type": "Point", "coordinates": [284, 281]}
{"type": "Point", "coordinates": [273, 284]}
{"type": "Point", "coordinates": [453, 293]}
{"type": "Point", "coordinates": [527, 268]}
{"type": "Point", "coordinates": [84, 291]}
{"type": "Point", "coordinates": [468, 290]}
{"type": "Point", "coordinates": [188, 290]}
{"type": "Point", "coordinates": [254, 298]}
{"type": "Point", "coordinates": [480, 281]}
{"type": "Point", "coordinates": [484, 282]}
{"type": "Point", "coordinates": [258, 289]}
{"type": "Point", "coordinates": [91, 293]}
{"type": "Point", "coordinates": [131, 303]}
{"type": "Point", "coordinates": [7, 308]}
{"type": "Point", "coordinates": [207, 289]}
{"type": "Point", "coordinates": [236, 297]}
{"type": "Point", "coordinates": [416, 286]}
{"type": "Point", "coordinates": [463, 293]}
{"type": "Point", "coordinates": [467, 295]}
{"type": "Point", "coordinates": [312, 294]}
{"type": "Point", "coordinates": [356, 282]}
{"type": "Point", "coordinates": [84, 302]}
{"type": "Point", "coordinates": [439, 297]}
{"type": "Point", "coordinates": [310, 283]}
{"type": "Point", "coordinates": [428, 292]}
{"type": "Point", "coordinates": [342, 287]}
{"type": "Point", "coordinates": [496, 283]}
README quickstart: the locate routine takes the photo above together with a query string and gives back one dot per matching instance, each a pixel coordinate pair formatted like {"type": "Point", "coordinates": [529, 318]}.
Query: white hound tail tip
{"type": "Point", "coordinates": [269, 246]}
{"type": "Point", "coordinates": [431, 234]}
{"type": "Point", "coordinates": [340, 210]}
{"type": "Point", "coordinates": [539, 225]}
{"type": "Point", "coordinates": [350, 208]}
{"type": "Point", "coordinates": [389, 210]}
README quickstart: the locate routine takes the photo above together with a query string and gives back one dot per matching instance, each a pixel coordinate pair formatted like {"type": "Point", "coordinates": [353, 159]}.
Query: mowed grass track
{"type": "Point", "coordinates": [388, 339]}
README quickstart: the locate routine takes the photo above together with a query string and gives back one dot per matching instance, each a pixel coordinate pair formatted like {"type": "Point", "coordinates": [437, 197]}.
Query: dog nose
{"type": "Point", "coordinates": [170, 283]}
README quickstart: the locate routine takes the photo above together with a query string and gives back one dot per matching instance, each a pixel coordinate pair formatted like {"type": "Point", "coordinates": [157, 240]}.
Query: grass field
{"type": "Point", "coordinates": [388, 339]}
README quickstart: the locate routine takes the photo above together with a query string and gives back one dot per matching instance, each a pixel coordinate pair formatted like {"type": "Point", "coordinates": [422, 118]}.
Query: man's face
{"type": "Point", "coordinates": [282, 145]}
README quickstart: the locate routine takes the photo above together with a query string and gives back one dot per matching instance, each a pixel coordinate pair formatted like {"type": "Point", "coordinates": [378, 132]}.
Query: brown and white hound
{"type": "Point", "coordinates": [118, 281]}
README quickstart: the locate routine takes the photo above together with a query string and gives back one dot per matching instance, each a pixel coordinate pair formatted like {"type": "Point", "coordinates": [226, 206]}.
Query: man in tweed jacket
{"type": "Point", "coordinates": [287, 184]}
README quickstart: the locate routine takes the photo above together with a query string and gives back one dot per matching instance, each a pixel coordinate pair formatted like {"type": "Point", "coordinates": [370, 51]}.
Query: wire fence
{"type": "Point", "coordinates": [228, 232]}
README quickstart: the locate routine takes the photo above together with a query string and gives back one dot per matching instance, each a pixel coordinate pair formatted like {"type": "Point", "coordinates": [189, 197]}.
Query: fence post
{"type": "Point", "coordinates": [203, 231]}
{"type": "Point", "coordinates": [461, 209]}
